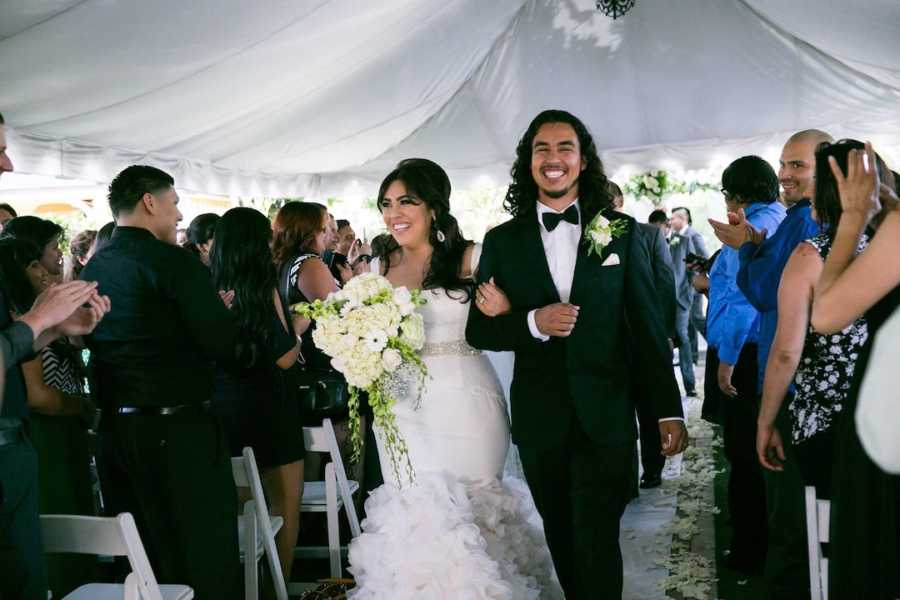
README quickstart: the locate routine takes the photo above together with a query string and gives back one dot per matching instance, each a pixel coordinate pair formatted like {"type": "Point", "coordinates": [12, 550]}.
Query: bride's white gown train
{"type": "Point", "coordinates": [460, 530]}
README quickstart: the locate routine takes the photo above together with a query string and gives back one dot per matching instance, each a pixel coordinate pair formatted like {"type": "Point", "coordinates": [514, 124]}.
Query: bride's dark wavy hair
{"type": "Point", "coordinates": [241, 260]}
{"type": "Point", "coordinates": [428, 182]}
{"type": "Point", "coordinates": [593, 191]}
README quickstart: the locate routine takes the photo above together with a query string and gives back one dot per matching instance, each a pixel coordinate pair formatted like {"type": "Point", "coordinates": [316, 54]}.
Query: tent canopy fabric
{"type": "Point", "coordinates": [303, 97]}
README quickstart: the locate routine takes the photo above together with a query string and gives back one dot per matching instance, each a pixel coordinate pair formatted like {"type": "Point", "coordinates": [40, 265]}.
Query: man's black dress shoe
{"type": "Point", "coordinates": [650, 481]}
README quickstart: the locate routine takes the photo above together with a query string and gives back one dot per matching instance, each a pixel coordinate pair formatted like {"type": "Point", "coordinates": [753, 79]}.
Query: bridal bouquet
{"type": "Point", "coordinates": [373, 334]}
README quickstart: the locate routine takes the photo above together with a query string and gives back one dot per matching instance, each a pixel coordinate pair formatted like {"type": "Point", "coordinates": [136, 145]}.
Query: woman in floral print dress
{"type": "Point", "coordinates": [821, 366]}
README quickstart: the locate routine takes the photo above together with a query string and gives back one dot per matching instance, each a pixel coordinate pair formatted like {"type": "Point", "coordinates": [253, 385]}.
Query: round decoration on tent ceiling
{"type": "Point", "coordinates": [614, 8]}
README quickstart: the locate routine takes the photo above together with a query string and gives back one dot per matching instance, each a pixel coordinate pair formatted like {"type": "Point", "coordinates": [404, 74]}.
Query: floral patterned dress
{"type": "Point", "coordinates": [826, 369]}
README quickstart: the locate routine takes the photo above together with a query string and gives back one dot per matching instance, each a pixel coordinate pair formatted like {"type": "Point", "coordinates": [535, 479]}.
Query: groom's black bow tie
{"type": "Point", "coordinates": [552, 219]}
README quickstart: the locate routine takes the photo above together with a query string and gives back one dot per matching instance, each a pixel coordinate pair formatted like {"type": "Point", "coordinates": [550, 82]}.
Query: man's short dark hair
{"type": "Point", "coordinates": [687, 212]}
{"type": "Point", "coordinates": [341, 223]}
{"type": "Point", "coordinates": [9, 209]}
{"type": "Point", "coordinates": [657, 216]}
{"type": "Point", "coordinates": [751, 178]}
{"type": "Point", "coordinates": [130, 185]}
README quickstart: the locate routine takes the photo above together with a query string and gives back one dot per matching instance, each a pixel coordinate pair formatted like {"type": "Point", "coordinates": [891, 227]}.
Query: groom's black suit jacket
{"type": "Point", "coordinates": [620, 334]}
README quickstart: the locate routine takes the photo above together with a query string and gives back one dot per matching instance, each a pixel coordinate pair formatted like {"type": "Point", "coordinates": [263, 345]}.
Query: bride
{"type": "Point", "coordinates": [458, 531]}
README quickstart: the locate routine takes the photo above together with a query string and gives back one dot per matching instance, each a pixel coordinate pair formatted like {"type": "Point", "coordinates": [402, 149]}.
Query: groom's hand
{"type": "Point", "coordinates": [673, 437]}
{"type": "Point", "coordinates": [556, 320]}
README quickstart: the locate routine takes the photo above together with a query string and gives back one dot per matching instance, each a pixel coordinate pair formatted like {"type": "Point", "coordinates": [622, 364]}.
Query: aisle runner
{"type": "Point", "coordinates": [668, 535]}
{"type": "Point", "coordinates": [661, 548]}
{"type": "Point", "coordinates": [689, 563]}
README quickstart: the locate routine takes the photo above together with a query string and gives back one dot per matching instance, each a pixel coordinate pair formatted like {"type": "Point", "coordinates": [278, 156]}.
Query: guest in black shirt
{"type": "Point", "coordinates": [258, 390]}
{"type": "Point", "coordinates": [163, 455]}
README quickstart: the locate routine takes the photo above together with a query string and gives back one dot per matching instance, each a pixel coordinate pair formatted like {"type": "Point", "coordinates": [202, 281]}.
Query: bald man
{"type": "Point", "coordinates": [762, 262]}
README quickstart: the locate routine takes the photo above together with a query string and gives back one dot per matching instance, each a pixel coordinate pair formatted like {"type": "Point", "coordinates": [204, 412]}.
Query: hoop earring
{"type": "Point", "coordinates": [440, 236]}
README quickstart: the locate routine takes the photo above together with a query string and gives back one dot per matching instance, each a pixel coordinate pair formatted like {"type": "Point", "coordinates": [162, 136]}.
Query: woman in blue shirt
{"type": "Point", "coordinates": [750, 186]}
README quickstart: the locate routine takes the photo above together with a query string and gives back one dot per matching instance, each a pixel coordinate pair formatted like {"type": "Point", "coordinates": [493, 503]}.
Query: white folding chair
{"type": "Point", "coordinates": [818, 516]}
{"type": "Point", "coordinates": [329, 496]}
{"type": "Point", "coordinates": [108, 536]}
{"type": "Point", "coordinates": [256, 529]}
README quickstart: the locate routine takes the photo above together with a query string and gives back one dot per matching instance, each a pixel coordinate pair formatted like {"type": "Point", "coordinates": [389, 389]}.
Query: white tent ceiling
{"type": "Point", "coordinates": [293, 97]}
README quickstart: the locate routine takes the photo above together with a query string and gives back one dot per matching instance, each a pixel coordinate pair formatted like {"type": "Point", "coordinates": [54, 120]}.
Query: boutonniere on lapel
{"type": "Point", "coordinates": [674, 240]}
{"type": "Point", "coordinates": [601, 232]}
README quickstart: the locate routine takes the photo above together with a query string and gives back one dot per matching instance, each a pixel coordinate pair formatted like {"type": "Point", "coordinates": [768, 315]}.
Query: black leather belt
{"type": "Point", "coordinates": [161, 411]}
{"type": "Point", "coordinates": [11, 436]}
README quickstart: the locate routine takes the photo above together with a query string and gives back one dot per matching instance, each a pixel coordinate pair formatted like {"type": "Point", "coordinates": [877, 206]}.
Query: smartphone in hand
{"type": "Point", "coordinates": [696, 262]}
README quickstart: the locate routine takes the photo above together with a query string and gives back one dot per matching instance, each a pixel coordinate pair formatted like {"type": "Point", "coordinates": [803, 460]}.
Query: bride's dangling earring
{"type": "Point", "coordinates": [438, 234]}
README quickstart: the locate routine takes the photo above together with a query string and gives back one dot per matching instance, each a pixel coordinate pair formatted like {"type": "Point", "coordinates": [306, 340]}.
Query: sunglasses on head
{"type": "Point", "coordinates": [843, 143]}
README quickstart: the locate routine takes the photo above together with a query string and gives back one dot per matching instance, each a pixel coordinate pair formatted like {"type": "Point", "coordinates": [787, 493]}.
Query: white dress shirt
{"type": "Point", "coordinates": [561, 250]}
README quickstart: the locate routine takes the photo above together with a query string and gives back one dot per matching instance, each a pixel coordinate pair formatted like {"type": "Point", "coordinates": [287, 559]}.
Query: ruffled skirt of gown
{"type": "Point", "coordinates": [441, 538]}
{"type": "Point", "coordinates": [459, 531]}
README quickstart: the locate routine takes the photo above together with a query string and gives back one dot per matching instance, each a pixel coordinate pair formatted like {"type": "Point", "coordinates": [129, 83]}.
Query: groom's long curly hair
{"type": "Point", "coordinates": [593, 193]}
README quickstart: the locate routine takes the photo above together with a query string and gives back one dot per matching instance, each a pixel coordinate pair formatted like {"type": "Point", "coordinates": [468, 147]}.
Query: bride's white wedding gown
{"type": "Point", "coordinates": [459, 530]}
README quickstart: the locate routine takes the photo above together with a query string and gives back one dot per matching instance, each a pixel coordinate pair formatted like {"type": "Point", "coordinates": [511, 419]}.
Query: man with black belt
{"type": "Point", "coordinates": [163, 456]}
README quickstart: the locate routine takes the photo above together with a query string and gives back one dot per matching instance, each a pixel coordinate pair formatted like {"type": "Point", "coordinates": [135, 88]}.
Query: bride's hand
{"type": "Point", "coordinates": [491, 300]}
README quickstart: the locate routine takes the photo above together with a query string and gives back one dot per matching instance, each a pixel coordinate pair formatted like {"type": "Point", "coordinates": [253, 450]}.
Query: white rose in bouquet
{"type": "Point", "coordinates": [403, 300]}
{"type": "Point", "coordinates": [391, 360]}
{"type": "Point", "coordinates": [412, 331]}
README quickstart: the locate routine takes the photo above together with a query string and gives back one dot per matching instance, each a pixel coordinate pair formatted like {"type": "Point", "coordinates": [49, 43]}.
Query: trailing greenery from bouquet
{"type": "Point", "coordinates": [373, 335]}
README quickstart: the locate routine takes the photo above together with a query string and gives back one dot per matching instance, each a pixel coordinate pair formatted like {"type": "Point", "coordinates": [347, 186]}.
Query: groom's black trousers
{"type": "Point", "coordinates": [581, 489]}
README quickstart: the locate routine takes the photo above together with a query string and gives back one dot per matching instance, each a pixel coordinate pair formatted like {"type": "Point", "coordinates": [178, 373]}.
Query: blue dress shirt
{"type": "Point", "coordinates": [761, 269]}
{"type": "Point", "coordinates": [731, 320]}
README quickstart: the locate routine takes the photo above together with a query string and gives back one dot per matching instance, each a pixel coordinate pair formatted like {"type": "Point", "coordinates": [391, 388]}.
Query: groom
{"type": "Point", "coordinates": [578, 325]}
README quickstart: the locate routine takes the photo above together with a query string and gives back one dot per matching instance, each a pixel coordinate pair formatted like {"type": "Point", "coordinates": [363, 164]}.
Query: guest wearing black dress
{"type": "Point", "coordinates": [200, 236]}
{"type": "Point", "coordinates": [864, 561]}
{"type": "Point", "coordinates": [256, 391]}
{"type": "Point", "coordinates": [301, 235]}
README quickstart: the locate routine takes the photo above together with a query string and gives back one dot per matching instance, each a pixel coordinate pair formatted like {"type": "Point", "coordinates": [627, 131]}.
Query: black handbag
{"type": "Point", "coordinates": [321, 392]}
